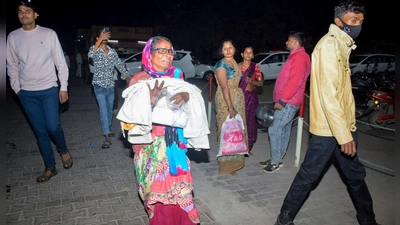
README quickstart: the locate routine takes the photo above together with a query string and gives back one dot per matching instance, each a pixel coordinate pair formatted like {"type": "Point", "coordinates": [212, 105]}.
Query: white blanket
{"type": "Point", "coordinates": [191, 116]}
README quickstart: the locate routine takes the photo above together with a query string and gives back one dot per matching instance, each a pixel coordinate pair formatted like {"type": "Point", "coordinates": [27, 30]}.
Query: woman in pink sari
{"type": "Point", "coordinates": [251, 77]}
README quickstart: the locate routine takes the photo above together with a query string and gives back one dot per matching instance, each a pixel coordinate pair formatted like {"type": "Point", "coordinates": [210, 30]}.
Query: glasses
{"type": "Point", "coordinates": [163, 50]}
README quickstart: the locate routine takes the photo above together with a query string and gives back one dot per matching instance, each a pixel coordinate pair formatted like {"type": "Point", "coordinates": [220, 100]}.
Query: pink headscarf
{"type": "Point", "coordinates": [176, 147]}
{"type": "Point", "coordinates": [148, 66]}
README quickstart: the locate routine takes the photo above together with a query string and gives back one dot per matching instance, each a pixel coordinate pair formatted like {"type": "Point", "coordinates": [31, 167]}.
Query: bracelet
{"type": "Point", "coordinates": [231, 110]}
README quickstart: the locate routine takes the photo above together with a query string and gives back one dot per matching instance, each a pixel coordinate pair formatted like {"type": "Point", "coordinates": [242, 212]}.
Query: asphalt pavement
{"type": "Point", "coordinates": [100, 188]}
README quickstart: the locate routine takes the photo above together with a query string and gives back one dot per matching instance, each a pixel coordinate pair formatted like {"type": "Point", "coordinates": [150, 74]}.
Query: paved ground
{"type": "Point", "coordinates": [100, 188]}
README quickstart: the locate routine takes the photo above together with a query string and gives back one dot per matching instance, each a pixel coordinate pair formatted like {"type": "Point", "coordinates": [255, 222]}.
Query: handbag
{"type": "Point", "coordinates": [232, 138]}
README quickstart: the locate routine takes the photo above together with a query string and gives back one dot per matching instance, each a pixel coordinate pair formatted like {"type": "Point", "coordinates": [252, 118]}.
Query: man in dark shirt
{"type": "Point", "coordinates": [105, 59]}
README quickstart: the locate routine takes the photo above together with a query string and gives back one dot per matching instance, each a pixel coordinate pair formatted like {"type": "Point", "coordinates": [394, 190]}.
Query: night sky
{"type": "Point", "coordinates": [313, 16]}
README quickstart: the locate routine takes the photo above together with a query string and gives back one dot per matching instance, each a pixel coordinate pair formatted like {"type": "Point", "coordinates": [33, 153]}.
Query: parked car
{"type": "Point", "coordinates": [203, 71]}
{"type": "Point", "coordinates": [271, 63]}
{"type": "Point", "coordinates": [366, 62]}
{"type": "Point", "coordinates": [133, 63]}
{"type": "Point", "coordinates": [190, 66]}
{"type": "Point", "coordinates": [125, 55]}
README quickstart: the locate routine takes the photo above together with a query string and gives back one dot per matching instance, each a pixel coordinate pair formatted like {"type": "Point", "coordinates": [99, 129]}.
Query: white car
{"type": "Point", "coordinates": [366, 62]}
{"type": "Point", "coordinates": [133, 63]}
{"type": "Point", "coordinates": [123, 55]}
{"type": "Point", "coordinates": [189, 65]}
{"type": "Point", "coordinates": [203, 71]}
{"type": "Point", "coordinates": [271, 63]}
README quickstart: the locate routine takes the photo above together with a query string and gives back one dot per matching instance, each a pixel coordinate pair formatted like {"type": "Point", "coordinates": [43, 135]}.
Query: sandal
{"type": "Point", "coordinates": [67, 164]}
{"type": "Point", "coordinates": [106, 144]}
{"type": "Point", "coordinates": [44, 177]}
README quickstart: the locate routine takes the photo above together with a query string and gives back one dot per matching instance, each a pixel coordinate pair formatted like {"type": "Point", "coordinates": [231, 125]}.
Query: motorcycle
{"type": "Point", "coordinates": [386, 78]}
{"type": "Point", "coordinates": [360, 87]}
{"type": "Point", "coordinates": [365, 85]}
{"type": "Point", "coordinates": [368, 72]}
{"type": "Point", "coordinates": [384, 107]}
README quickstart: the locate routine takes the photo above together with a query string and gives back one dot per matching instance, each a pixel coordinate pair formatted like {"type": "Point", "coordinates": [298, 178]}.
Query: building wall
{"type": "Point", "coordinates": [127, 37]}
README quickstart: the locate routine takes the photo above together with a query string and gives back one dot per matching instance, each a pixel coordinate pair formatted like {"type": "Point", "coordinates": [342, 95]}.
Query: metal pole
{"type": "Point", "coordinates": [300, 120]}
{"type": "Point", "coordinates": [210, 101]}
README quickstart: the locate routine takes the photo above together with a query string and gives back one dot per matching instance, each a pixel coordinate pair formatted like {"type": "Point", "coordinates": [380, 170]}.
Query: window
{"type": "Point", "coordinates": [356, 58]}
{"type": "Point", "coordinates": [285, 57]}
{"type": "Point", "coordinates": [371, 60]}
{"type": "Point", "coordinates": [124, 55]}
{"type": "Point", "coordinates": [179, 55]}
{"type": "Point", "coordinates": [137, 58]}
{"type": "Point", "coordinates": [259, 57]}
{"type": "Point", "coordinates": [276, 59]}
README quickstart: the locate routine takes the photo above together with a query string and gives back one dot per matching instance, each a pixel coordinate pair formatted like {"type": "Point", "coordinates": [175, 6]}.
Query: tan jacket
{"type": "Point", "coordinates": [332, 108]}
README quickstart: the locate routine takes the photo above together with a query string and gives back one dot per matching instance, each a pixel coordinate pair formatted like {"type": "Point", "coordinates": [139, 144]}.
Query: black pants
{"type": "Point", "coordinates": [319, 151]}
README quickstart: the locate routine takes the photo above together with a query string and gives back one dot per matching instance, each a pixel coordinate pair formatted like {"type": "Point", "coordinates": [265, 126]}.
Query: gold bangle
{"type": "Point", "coordinates": [231, 110]}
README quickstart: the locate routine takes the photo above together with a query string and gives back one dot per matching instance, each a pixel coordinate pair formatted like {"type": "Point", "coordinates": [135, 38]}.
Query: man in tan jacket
{"type": "Point", "coordinates": [332, 118]}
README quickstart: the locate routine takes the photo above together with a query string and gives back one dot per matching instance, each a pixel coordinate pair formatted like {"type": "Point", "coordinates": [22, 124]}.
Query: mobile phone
{"type": "Point", "coordinates": [106, 29]}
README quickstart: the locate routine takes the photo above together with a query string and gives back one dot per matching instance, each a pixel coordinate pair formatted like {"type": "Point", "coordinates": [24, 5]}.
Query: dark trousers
{"type": "Point", "coordinates": [319, 151]}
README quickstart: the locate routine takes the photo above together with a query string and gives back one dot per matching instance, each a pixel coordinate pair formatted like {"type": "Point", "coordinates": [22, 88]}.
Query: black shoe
{"type": "Point", "coordinates": [280, 222]}
{"type": "Point", "coordinates": [266, 163]}
{"type": "Point", "coordinates": [271, 168]}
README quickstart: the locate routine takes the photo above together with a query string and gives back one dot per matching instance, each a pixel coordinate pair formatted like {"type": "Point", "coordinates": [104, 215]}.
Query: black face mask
{"type": "Point", "coordinates": [352, 31]}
